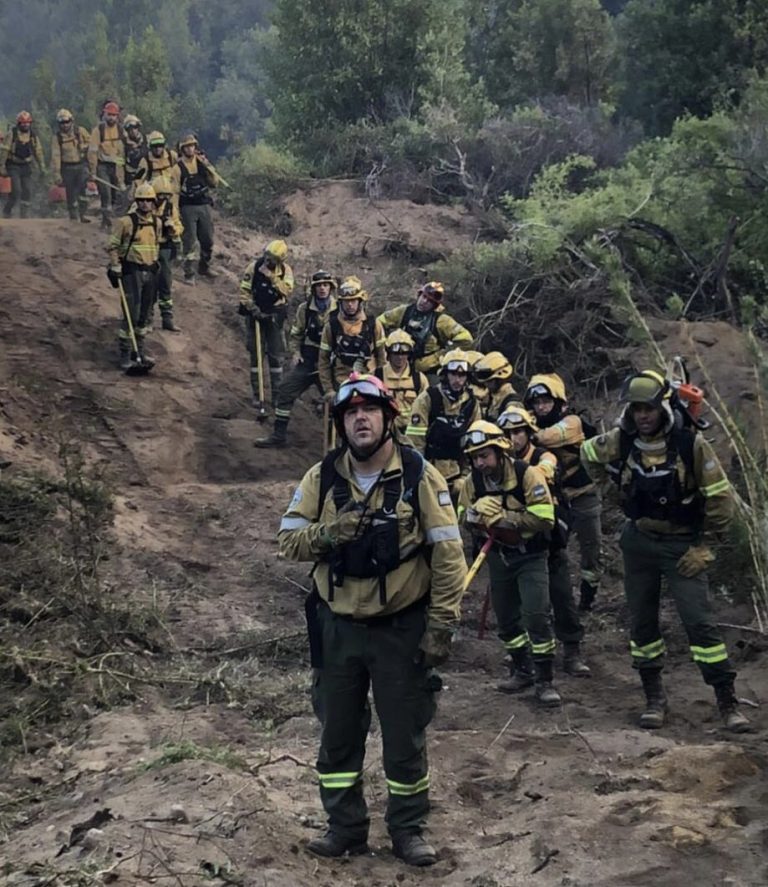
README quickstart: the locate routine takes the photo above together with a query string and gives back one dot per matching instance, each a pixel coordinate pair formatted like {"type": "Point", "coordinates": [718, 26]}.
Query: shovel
{"type": "Point", "coordinates": [471, 573]}
{"type": "Point", "coordinates": [141, 365]}
{"type": "Point", "coordinates": [262, 407]}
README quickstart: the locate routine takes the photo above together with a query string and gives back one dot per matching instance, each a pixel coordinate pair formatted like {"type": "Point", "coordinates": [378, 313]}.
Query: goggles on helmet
{"type": "Point", "coordinates": [538, 391]}
{"type": "Point", "coordinates": [457, 366]}
{"type": "Point", "coordinates": [360, 390]}
{"type": "Point", "coordinates": [402, 347]}
{"type": "Point", "coordinates": [480, 438]}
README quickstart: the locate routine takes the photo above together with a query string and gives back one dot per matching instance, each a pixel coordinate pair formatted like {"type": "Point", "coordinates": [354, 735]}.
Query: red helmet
{"type": "Point", "coordinates": [361, 387]}
{"type": "Point", "coordinates": [24, 117]}
{"type": "Point", "coordinates": [434, 291]}
{"type": "Point", "coordinates": [111, 108]}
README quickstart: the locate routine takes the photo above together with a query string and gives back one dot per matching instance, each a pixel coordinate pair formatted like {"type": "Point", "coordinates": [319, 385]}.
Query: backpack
{"type": "Point", "coordinates": [425, 330]}
{"type": "Point", "coordinates": [444, 438]}
{"type": "Point", "coordinates": [379, 373]}
{"type": "Point", "coordinates": [562, 528]}
{"type": "Point", "coordinates": [29, 147]}
{"type": "Point", "coordinates": [363, 342]}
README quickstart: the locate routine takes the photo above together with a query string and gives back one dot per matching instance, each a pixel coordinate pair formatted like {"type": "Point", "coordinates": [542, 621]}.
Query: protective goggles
{"type": "Point", "coordinates": [479, 439]}
{"type": "Point", "coordinates": [457, 366]}
{"type": "Point", "coordinates": [400, 347]}
{"type": "Point", "coordinates": [512, 420]}
{"type": "Point", "coordinates": [64, 119]}
{"type": "Point", "coordinates": [538, 391]}
{"type": "Point", "coordinates": [349, 291]}
{"type": "Point", "coordinates": [157, 143]}
{"type": "Point", "coordinates": [355, 392]}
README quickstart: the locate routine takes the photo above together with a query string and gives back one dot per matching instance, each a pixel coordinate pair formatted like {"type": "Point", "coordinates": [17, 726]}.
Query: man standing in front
{"type": "Point", "coordinates": [377, 521]}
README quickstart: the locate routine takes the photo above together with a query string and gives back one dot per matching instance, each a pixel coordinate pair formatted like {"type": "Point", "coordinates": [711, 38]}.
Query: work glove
{"type": "Point", "coordinates": [695, 560]}
{"type": "Point", "coordinates": [245, 309]}
{"type": "Point", "coordinates": [350, 522]}
{"type": "Point", "coordinates": [489, 509]}
{"type": "Point", "coordinates": [436, 645]}
{"type": "Point", "coordinates": [115, 275]}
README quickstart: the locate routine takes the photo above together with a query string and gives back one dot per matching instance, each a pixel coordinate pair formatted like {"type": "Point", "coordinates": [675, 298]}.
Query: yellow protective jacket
{"type": "Point", "coordinates": [192, 174]}
{"type": "Point", "coordinates": [505, 398]}
{"type": "Point", "coordinates": [333, 371]}
{"type": "Point", "coordinates": [704, 483]}
{"type": "Point", "coordinates": [406, 386]}
{"type": "Point", "coordinates": [171, 227]}
{"type": "Point", "coordinates": [167, 165]}
{"type": "Point", "coordinates": [418, 430]}
{"type": "Point", "coordinates": [529, 510]}
{"type": "Point", "coordinates": [307, 329]}
{"type": "Point", "coordinates": [281, 282]}
{"type": "Point", "coordinates": [21, 149]}
{"type": "Point", "coordinates": [68, 147]}
{"type": "Point", "coordinates": [564, 438]}
{"type": "Point", "coordinates": [135, 239]}
{"type": "Point", "coordinates": [107, 146]}
{"type": "Point", "coordinates": [446, 333]}
{"type": "Point", "coordinates": [438, 571]}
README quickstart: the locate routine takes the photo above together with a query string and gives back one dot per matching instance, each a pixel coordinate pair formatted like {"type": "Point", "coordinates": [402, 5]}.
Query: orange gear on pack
{"type": "Point", "coordinates": [352, 288]}
{"type": "Point", "coordinates": [545, 383]}
{"type": "Point", "coordinates": [492, 366]}
{"type": "Point", "coordinates": [399, 340]}
{"type": "Point", "coordinates": [514, 418]}
{"type": "Point", "coordinates": [434, 291]}
{"type": "Point", "coordinates": [277, 250]}
{"type": "Point", "coordinates": [482, 434]}
{"type": "Point", "coordinates": [24, 117]}
{"type": "Point", "coordinates": [156, 138]}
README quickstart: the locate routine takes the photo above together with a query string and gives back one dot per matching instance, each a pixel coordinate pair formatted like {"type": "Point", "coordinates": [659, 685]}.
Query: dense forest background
{"type": "Point", "coordinates": [615, 145]}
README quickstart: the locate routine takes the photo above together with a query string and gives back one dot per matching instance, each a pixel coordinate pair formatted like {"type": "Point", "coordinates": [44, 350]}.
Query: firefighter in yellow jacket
{"type": "Point", "coordinates": [133, 259]}
{"type": "Point", "coordinates": [678, 501]}
{"type": "Point", "coordinates": [441, 416]}
{"type": "Point", "coordinates": [20, 151]}
{"type": "Point", "coordinates": [160, 160]}
{"type": "Point", "coordinates": [351, 339]}
{"type": "Point", "coordinates": [510, 500]}
{"type": "Point", "coordinates": [170, 248]}
{"type": "Point", "coordinates": [69, 162]}
{"type": "Point", "coordinates": [106, 161]}
{"type": "Point", "coordinates": [196, 178]}
{"type": "Point", "coordinates": [494, 372]}
{"type": "Point", "coordinates": [389, 572]}
{"type": "Point", "coordinates": [400, 377]}
{"type": "Point", "coordinates": [563, 433]}
{"type": "Point", "coordinates": [265, 287]}
{"type": "Point", "coordinates": [432, 329]}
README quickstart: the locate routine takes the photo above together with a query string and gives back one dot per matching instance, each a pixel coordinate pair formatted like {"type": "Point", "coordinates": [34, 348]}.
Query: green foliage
{"type": "Point", "coordinates": [187, 750]}
{"type": "Point", "coordinates": [259, 175]}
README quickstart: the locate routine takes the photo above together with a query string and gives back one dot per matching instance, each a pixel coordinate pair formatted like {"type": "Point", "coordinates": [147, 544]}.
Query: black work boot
{"type": "Point", "coordinates": [587, 593]}
{"type": "Point", "coordinates": [146, 360]}
{"type": "Point", "coordinates": [125, 356]}
{"type": "Point", "coordinates": [655, 700]}
{"type": "Point", "coordinates": [332, 844]}
{"type": "Point", "coordinates": [82, 209]}
{"type": "Point", "coordinates": [546, 694]}
{"type": "Point", "coordinates": [520, 672]}
{"type": "Point", "coordinates": [278, 438]}
{"type": "Point", "coordinates": [106, 220]}
{"type": "Point", "coordinates": [728, 704]}
{"type": "Point", "coordinates": [72, 211]}
{"type": "Point", "coordinates": [204, 270]}
{"type": "Point", "coordinates": [573, 663]}
{"type": "Point", "coordinates": [413, 849]}
{"type": "Point", "coordinates": [168, 323]}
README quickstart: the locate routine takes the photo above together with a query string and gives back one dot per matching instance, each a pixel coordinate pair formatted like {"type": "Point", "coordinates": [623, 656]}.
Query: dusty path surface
{"type": "Point", "coordinates": [202, 771]}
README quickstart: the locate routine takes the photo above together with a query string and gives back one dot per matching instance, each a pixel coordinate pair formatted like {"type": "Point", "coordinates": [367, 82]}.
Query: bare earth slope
{"type": "Point", "coordinates": [579, 796]}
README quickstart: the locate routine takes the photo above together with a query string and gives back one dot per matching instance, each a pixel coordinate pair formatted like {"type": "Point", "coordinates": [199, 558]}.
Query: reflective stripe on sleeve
{"type": "Point", "coordinates": [588, 449]}
{"type": "Point", "coordinates": [294, 523]}
{"type": "Point", "coordinates": [449, 533]}
{"type": "Point", "coordinates": [416, 431]}
{"type": "Point", "coordinates": [715, 489]}
{"type": "Point", "coordinates": [545, 511]}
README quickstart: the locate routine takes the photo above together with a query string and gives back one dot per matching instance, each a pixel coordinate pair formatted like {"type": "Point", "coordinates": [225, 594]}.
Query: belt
{"type": "Point", "coordinates": [383, 620]}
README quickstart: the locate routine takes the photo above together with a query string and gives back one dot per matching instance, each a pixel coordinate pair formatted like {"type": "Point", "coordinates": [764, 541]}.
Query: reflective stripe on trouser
{"type": "Point", "coordinates": [568, 627]}
{"type": "Point", "coordinates": [140, 287]}
{"type": "Point", "coordinates": [295, 382]}
{"type": "Point", "coordinates": [648, 558]}
{"type": "Point", "coordinates": [21, 187]}
{"type": "Point", "coordinates": [165, 281]}
{"type": "Point", "coordinates": [272, 351]}
{"type": "Point", "coordinates": [381, 656]}
{"type": "Point", "coordinates": [75, 177]}
{"type": "Point", "coordinates": [198, 229]}
{"type": "Point", "coordinates": [520, 598]}
{"type": "Point", "coordinates": [585, 525]}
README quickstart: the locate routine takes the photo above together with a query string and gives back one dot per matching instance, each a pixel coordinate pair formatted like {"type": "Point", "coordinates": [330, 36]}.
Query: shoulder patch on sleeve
{"type": "Point", "coordinates": [297, 497]}
{"type": "Point", "coordinates": [601, 440]}
{"type": "Point", "coordinates": [415, 420]}
{"type": "Point", "coordinates": [539, 490]}
{"type": "Point", "coordinates": [709, 464]}
{"type": "Point", "coordinates": [444, 497]}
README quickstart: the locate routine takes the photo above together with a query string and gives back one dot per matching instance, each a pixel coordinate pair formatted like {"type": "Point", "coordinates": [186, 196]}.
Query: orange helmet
{"type": "Point", "coordinates": [24, 117]}
{"type": "Point", "coordinates": [434, 291]}
{"type": "Point", "coordinates": [111, 108]}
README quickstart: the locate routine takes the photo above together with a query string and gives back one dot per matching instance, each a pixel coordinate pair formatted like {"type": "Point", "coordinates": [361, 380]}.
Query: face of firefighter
{"type": "Point", "coordinates": [322, 290]}
{"type": "Point", "coordinates": [145, 206]}
{"type": "Point", "coordinates": [110, 119]}
{"type": "Point", "coordinates": [350, 307]}
{"type": "Point", "coordinates": [157, 150]}
{"type": "Point", "coordinates": [398, 360]}
{"type": "Point", "coordinates": [65, 125]}
{"type": "Point", "coordinates": [457, 380]}
{"type": "Point", "coordinates": [647, 418]}
{"type": "Point", "coordinates": [487, 461]}
{"type": "Point", "coordinates": [364, 427]}
{"type": "Point", "coordinates": [543, 404]}
{"type": "Point", "coordinates": [424, 304]}
{"type": "Point", "coordinates": [520, 440]}
{"type": "Point", "coordinates": [189, 150]}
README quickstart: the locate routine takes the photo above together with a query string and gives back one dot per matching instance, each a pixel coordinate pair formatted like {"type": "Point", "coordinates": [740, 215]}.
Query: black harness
{"type": "Point", "coordinates": [346, 349]}
{"type": "Point", "coordinates": [419, 326]}
{"type": "Point", "coordinates": [563, 516]}
{"type": "Point", "coordinates": [194, 186]}
{"type": "Point", "coordinates": [444, 433]}
{"type": "Point", "coordinates": [263, 292]}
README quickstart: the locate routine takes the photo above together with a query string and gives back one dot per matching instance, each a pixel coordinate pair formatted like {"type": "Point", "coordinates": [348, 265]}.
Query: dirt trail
{"type": "Point", "coordinates": [574, 797]}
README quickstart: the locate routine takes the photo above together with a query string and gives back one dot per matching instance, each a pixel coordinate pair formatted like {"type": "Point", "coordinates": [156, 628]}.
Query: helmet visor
{"type": "Point", "coordinates": [355, 392]}
{"type": "Point", "coordinates": [539, 391]}
{"type": "Point", "coordinates": [512, 420]}
{"type": "Point", "coordinates": [457, 366]}
{"type": "Point", "coordinates": [479, 439]}
{"type": "Point", "coordinates": [400, 348]}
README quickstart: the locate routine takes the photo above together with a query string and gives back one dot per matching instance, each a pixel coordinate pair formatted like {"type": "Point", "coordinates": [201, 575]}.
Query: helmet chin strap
{"type": "Point", "coordinates": [552, 417]}
{"type": "Point", "coordinates": [364, 456]}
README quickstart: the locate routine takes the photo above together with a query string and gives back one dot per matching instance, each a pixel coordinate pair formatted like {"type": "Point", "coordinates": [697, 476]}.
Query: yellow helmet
{"type": "Point", "coordinates": [516, 417]}
{"type": "Point", "coordinates": [434, 291]}
{"type": "Point", "coordinates": [544, 383]}
{"type": "Point", "coordinates": [492, 366]}
{"type": "Point", "coordinates": [399, 340]}
{"type": "Point", "coordinates": [162, 185]}
{"type": "Point", "coordinates": [63, 115]}
{"type": "Point", "coordinates": [188, 139]}
{"type": "Point", "coordinates": [144, 191]}
{"type": "Point", "coordinates": [482, 434]}
{"type": "Point", "coordinates": [454, 360]}
{"type": "Point", "coordinates": [131, 120]}
{"type": "Point", "coordinates": [155, 138]}
{"type": "Point", "coordinates": [277, 249]}
{"type": "Point", "coordinates": [648, 387]}
{"type": "Point", "coordinates": [352, 288]}
{"type": "Point", "coordinates": [473, 357]}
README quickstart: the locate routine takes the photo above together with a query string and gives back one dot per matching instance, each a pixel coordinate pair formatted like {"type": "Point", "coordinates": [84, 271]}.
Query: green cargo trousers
{"type": "Point", "coordinates": [165, 278]}
{"type": "Point", "coordinates": [140, 285]}
{"type": "Point", "coordinates": [648, 557]}
{"type": "Point", "coordinates": [520, 598]}
{"type": "Point", "coordinates": [568, 627]}
{"type": "Point", "coordinates": [75, 177]}
{"type": "Point", "coordinates": [20, 175]}
{"type": "Point", "coordinates": [585, 523]}
{"type": "Point", "coordinates": [273, 348]}
{"type": "Point", "coordinates": [295, 382]}
{"type": "Point", "coordinates": [382, 654]}
{"type": "Point", "coordinates": [198, 228]}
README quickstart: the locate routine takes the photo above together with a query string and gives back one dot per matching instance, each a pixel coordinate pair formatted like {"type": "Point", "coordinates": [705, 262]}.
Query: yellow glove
{"type": "Point", "coordinates": [695, 560]}
{"type": "Point", "coordinates": [489, 509]}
